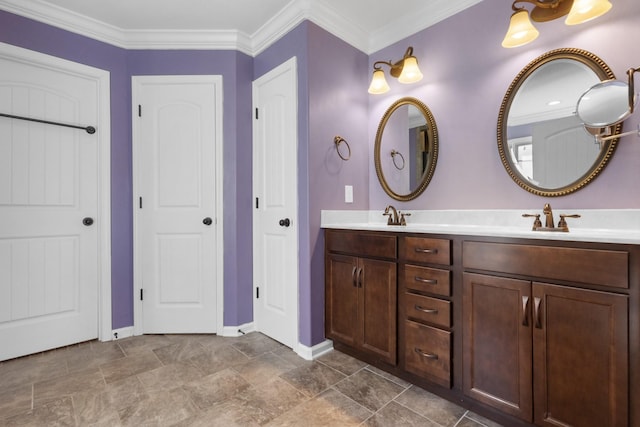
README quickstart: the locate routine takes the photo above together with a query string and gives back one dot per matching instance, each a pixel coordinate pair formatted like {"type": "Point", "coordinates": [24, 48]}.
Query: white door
{"type": "Point", "coordinates": [49, 185]}
{"type": "Point", "coordinates": [275, 217]}
{"type": "Point", "coordinates": [177, 126]}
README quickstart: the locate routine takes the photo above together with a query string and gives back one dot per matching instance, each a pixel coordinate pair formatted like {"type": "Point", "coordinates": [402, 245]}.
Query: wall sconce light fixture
{"type": "Point", "coordinates": [521, 30]}
{"type": "Point", "coordinates": [406, 71]}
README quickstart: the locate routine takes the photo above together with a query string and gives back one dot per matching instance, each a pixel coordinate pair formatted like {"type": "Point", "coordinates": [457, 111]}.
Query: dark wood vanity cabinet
{"type": "Point", "coordinates": [425, 308]}
{"type": "Point", "coordinates": [523, 331]}
{"type": "Point", "coordinates": [360, 292]}
{"type": "Point", "coordinates": [555, 355]}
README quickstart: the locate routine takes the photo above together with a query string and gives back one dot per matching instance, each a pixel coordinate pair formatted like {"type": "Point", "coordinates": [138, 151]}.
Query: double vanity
{"type": "Point", "coordinates": [525, 327]}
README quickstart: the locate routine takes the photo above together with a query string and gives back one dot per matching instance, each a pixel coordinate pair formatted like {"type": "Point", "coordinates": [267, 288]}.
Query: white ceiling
{"type": "Point", "coordinates": [246, 25]}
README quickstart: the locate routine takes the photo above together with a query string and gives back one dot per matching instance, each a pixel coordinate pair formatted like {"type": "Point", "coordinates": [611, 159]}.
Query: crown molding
{"type": "Point", "coordinates": [288, 18]}
{"type": "Point", "coordinates": [416, 22]}
{"type": "Point", "coordinates": [66, 20]}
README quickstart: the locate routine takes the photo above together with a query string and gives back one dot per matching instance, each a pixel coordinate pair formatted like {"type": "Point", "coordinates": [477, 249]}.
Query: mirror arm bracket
{"type": "Point", "coordinates": [630, 73]}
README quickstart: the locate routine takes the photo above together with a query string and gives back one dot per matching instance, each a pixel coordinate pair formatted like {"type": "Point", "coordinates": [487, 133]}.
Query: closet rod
{"type": "Point", "coordinates": [89, 129]}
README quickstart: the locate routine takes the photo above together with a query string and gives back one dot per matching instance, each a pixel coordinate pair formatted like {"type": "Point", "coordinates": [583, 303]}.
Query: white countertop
{"type": "Point", "coordinates": [594, 225]}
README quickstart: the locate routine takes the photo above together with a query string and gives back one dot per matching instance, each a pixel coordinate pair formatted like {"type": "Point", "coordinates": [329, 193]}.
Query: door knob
{"type": "Point", "coordinates": [285, 222]}
{"type": "Point", "coordinates": [207, 221]}
{"type": "Point", "coordinates": [87, 221]}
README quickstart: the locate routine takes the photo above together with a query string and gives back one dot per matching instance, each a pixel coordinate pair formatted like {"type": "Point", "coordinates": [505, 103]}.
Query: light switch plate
{"type": "Point", "coordinates": [348, 194]}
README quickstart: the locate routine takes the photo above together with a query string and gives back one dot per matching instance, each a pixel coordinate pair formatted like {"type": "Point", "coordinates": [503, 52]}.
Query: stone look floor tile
{"type": "Point", "coordinates": [55, 413]}
{"type": "Point", "coordinates": [341, 362]}
{"type": "Point", "coordinates": [169, 377]}
{"type": "Point", "coordinates": [32, 369]}
{"type": "Point", "coordinates": [254, 345]}
{"type": "Point", "coordinates": [15, 400]}
{"type": "Point", "coordinates": [132, 365]}
{"type": "Point", "coordinates": [218, 358]}
{"type": "Point", "coordinates": [207, 380]}
{"type": "Point", "coordinates": [397, 415]}
{"type": "Point", "coordinates": [330, 408]}
{"type": "Point", "coordinates": [313, 378]}
{"type": "Point", "coordinates": [78, 382]}
{"type": "Point", "coordinates": [166, 408]}
{"type": "Point", "coordinates": [478, 419]}
{"type": "Point", "coordinates": [431, 406]}
{"type": "Point", "coordinates": [368, 389]}
{"type": "Point", "coordinates": [263, 368]}
{"type": "Point", "coordinates": [179, 352]}
{"type": "Point", "coordinates": [215, 388]}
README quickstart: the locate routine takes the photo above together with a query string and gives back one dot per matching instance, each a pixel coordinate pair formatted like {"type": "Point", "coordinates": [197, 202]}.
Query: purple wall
{"type": "Point", "coordinates": [236, 69]}
{"type": "Point", "coordinates": [338, 78]}
{"type": "Point", "coordinates": [466, 74]}
{"type": "Point", "coordinates": [331, 74]}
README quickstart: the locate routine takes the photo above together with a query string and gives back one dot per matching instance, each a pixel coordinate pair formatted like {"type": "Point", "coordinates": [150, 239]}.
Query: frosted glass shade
{"type": "Point", "coordinates": [521, 30]}
{"type": "Point", "coordinates": [378, 84]}
{"type": "Point", "coordinates": [410, 71]}
{"type": "Point", "coordinates": [586, 10]}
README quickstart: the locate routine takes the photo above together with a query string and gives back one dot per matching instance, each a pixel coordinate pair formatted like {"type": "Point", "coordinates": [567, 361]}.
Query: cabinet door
{"type": "Point", "coordinates": [378, 308]}
{"type": "Point", "coordinates": [341, 299]}
{"type": "Point", "coordinates": [497, 354]}
{"type": "Point", "coordinates": [580, 357]}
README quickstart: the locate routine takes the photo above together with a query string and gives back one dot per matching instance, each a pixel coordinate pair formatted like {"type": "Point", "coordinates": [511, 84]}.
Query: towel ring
{"type": "Point", "coordinates": [393, 156]}
{"type": "Point", "coordinates": [337, 140]}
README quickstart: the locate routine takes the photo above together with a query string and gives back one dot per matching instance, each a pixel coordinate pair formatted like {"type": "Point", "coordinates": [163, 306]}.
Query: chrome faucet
{"type": "Point", "coordinates": [395, 217]}
{"type": "Point", "coordinates": [549, 224]}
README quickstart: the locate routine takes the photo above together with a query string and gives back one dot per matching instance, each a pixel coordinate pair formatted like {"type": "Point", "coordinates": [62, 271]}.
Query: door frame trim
{"type": "Point", "coordinates": [136, 81]}
{"type": "Point", "coordinates": [102, 79]}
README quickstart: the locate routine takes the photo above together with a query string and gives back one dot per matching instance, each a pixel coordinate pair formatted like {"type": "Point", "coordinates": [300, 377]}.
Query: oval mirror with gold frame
{"type": "Point", "coordinates": [406, 149]}
{"type": "Point", "coordinates": [543, 145]}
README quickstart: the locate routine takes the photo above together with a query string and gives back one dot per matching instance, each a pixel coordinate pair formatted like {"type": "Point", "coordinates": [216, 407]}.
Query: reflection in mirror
{"type": "Point", "coordinates": [406, 149]}
{"type": "Point", "coordinates": [543, 144]}
{"type": "Point", "coordinates": [604, 104]}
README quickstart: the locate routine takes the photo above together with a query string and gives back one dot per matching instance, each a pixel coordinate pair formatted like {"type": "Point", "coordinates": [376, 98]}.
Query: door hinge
{"type": "Point", "coordinates": [256, 113]}
{"type": "Point", "coordinates": [257, 202]}
{"type": "Point", "coordinates": [141, 295]}
{"type": "Point", "coordinates": [139, 110]}
{"type": "Point", "coordinates": [140, 202]}
{"type": "Point", "coordinates": [257, 292]}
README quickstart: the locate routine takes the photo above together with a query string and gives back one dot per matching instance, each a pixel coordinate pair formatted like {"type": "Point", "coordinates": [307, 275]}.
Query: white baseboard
{"type": "Point", "coordinates": [311, 353]}
{"type": "Point", "coordinates": [118, 334]}
{"type": "Point", "coordinates": [237, 331]}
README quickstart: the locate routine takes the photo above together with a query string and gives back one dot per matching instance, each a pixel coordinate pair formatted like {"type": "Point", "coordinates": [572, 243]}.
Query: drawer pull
{"type": "Point", "coordinates": [353, 277]}
{"type": "Point", "coordinates": [426, 355]}
{"type": "Point", "coordinates": [426, 251]}
{"type": "Point", "coordinates": [427, 281]}
{"type": "Point", "coordinates": [425, 310]}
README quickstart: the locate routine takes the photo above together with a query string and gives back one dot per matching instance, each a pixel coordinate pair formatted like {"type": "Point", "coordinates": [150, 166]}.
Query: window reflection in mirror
{"type": "Point", "coordinates": [542, 142]}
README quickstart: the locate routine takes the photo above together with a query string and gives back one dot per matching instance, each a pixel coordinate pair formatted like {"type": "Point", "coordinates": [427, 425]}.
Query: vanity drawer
{"type": "Point", "coordinates": [427, 309]}
{"type": "Point", "coordinates": [425, 279]}
{"type": "Point", "coordinates": [425, 250]}
{"type": "Point", "coordinates": [591, 266]}
{"type": "Point", "coordinates": [362, 243]}
{"type": "Point", "coordinates": [428, 352]}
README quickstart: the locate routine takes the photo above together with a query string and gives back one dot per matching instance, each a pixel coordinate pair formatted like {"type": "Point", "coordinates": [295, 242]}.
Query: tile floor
{"type": "Point", "coordinates": [206, 380]}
